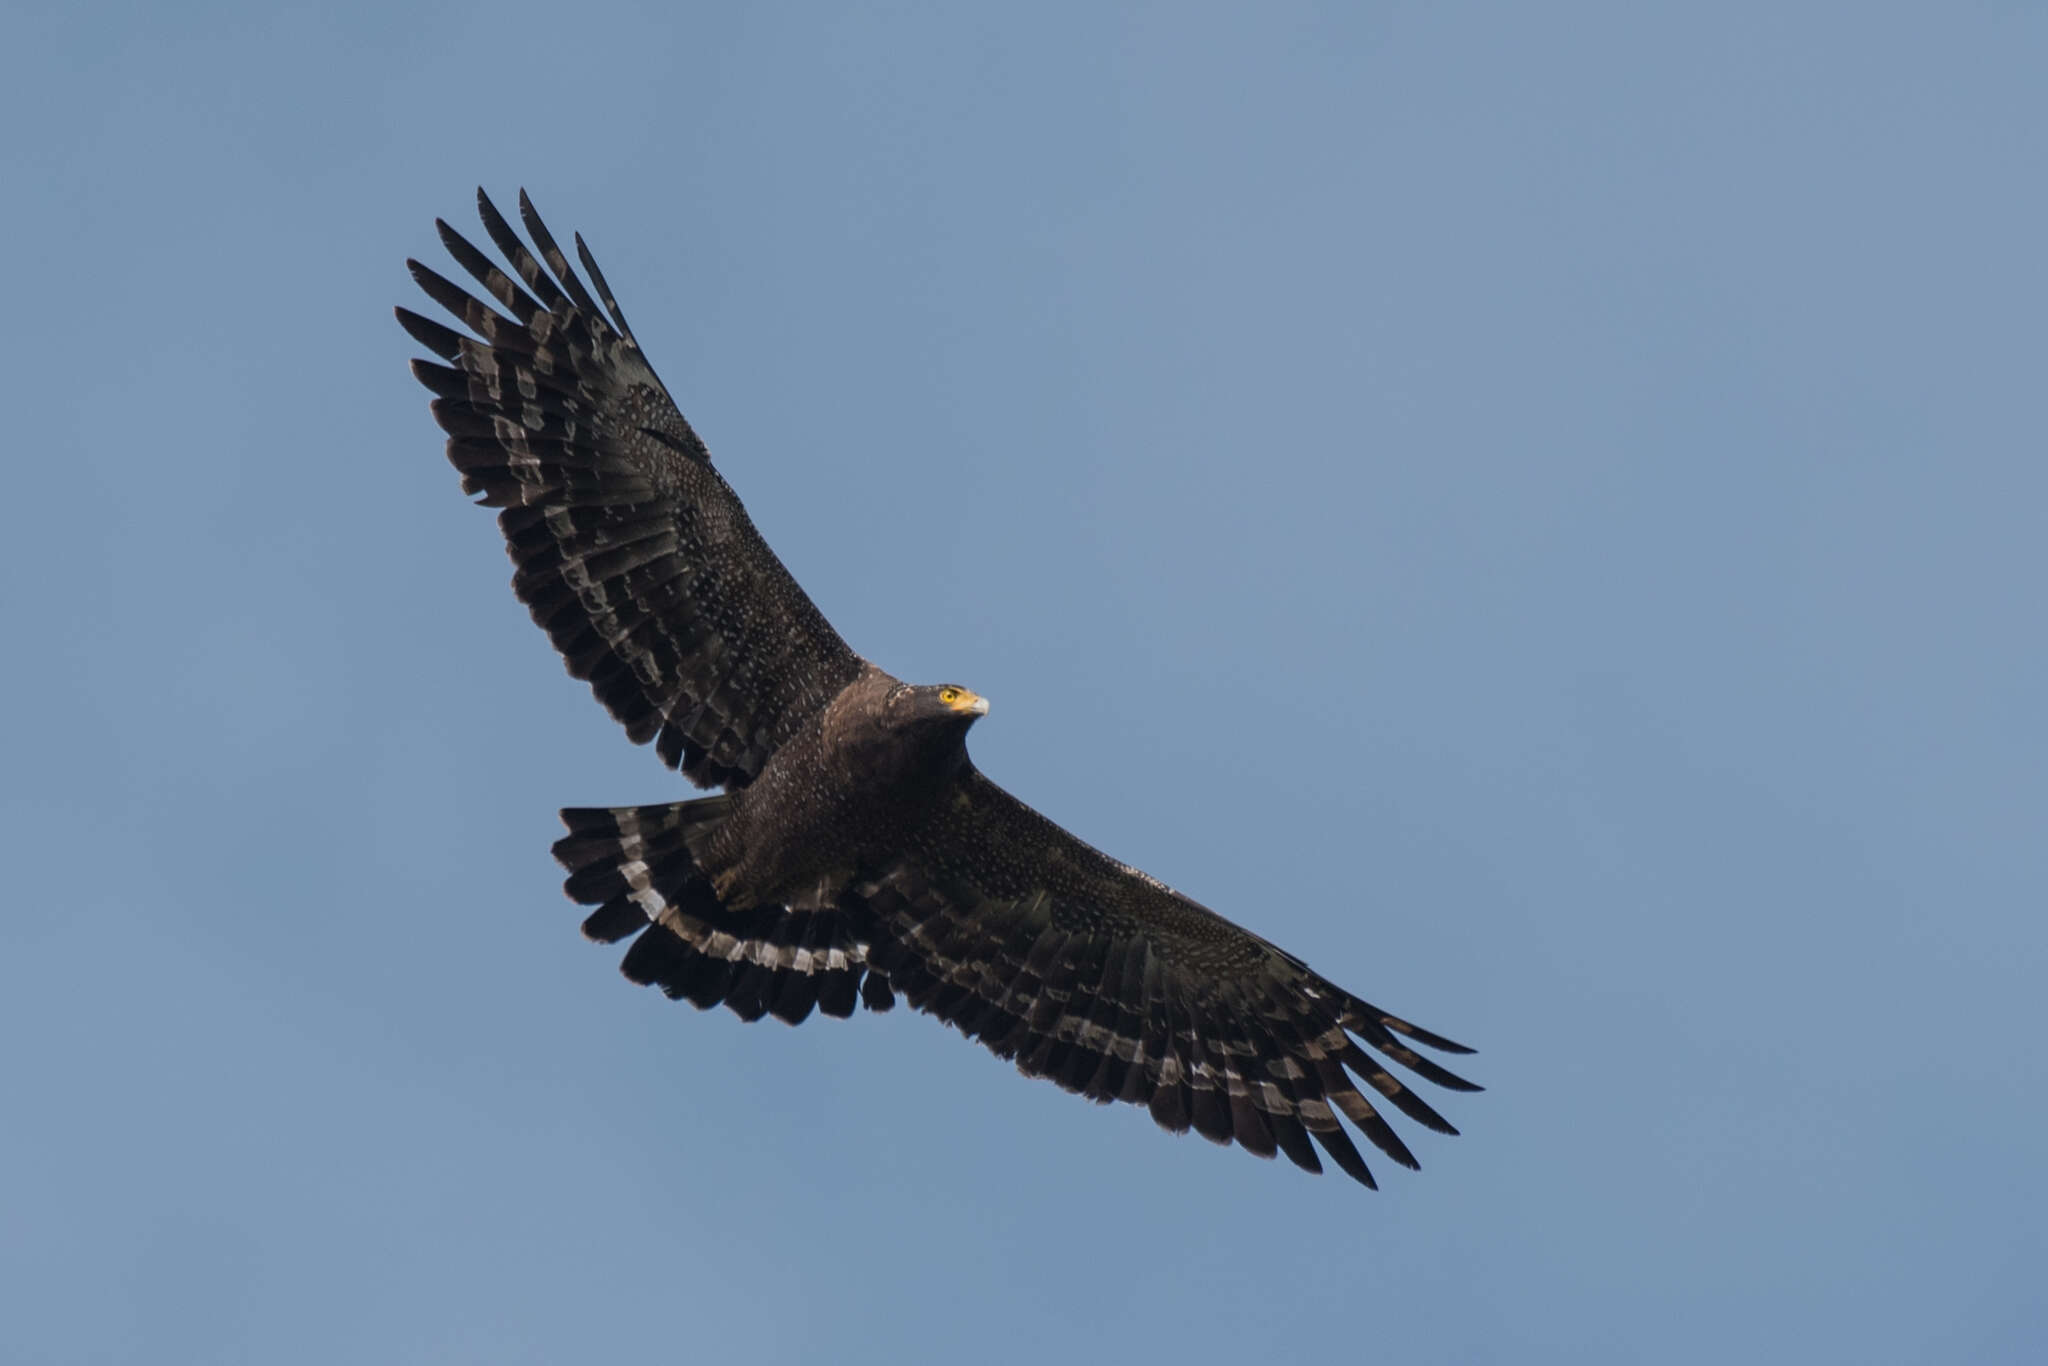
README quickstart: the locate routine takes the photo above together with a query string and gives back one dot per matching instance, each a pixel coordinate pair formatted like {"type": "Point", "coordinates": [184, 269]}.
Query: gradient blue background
{"type": "Point", "coordinates": [1539, 509]}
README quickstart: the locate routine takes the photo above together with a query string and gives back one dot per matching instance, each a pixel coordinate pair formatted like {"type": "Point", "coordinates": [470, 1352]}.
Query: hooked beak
{"type": "Point", "coordinates": [970, 704]}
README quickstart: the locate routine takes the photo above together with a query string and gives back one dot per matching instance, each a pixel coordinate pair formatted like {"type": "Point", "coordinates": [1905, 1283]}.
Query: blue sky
{"type": "Point", "coordinates": [1539, 510]}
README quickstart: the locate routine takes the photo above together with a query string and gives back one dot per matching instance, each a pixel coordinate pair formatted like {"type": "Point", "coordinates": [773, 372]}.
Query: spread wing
{"type": "Point", "coordinates": [633, 554]}
{"type": "Point", "coordinates": [1112, 984]}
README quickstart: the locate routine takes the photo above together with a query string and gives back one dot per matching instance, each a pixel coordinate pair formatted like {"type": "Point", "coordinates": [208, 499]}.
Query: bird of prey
{"type": "Point", "coordinates": [855, 853]}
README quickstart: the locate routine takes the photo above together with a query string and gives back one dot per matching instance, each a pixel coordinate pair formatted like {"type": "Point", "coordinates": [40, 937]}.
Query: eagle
{"type": "Point", "coordinates": [854, 853]}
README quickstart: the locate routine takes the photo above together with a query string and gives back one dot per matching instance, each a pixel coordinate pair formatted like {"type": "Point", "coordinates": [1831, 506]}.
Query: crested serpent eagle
{"type": "Point", "coordinates": [855, 853]}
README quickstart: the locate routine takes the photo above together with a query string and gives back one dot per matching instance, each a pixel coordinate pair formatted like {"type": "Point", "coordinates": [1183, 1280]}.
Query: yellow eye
{"type": "Point", "coordinates": [949, 695]}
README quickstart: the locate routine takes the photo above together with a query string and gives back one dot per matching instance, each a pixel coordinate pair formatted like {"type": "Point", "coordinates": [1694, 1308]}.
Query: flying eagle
{"type": "Point", "coordinates": [855, 853]}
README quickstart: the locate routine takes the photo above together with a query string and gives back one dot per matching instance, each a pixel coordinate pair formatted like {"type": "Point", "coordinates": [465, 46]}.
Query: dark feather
{"type": "Point", "coordinates": [604, 291]}
{"type": "Point", "coordinates": [875, 993]}
{"type": "Point", "coordinates": [516, 300]}
{"type": "Point", "coordinates": [1342, 1151]}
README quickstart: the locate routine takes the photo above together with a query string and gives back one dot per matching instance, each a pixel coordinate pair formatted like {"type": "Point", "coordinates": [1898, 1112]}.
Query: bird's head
{"type": "Point", "coordinates": [927, 726]}
{"type": "Point", "coordinates": [940, 713]}
{"type": "Point", "coordinates": [942, 704]}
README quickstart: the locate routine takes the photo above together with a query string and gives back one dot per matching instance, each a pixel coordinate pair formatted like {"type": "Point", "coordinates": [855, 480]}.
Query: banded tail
{"type": "Point", "coordinates": [634, 864]}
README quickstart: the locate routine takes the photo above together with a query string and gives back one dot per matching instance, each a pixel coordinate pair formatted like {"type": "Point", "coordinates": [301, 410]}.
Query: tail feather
{"type": "Point", "coordinates": [631, 862]}
{"type": "Point", "coordinates": [634, 864]}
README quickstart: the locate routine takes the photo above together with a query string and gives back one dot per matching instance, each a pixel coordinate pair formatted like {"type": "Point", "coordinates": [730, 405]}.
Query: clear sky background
{"type": "Point", "coordinates": [1540, 510]}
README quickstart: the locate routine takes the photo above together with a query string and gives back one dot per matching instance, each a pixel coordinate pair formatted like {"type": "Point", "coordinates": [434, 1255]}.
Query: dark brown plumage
{"type": "Point", "coordinates": [856, 853]}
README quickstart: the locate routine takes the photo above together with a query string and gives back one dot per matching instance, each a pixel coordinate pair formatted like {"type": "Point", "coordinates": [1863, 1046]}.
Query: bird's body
{"type": "Point", "coordinates": [859, 780]}
{"type": "Point", "coordinates": [856, 851]}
